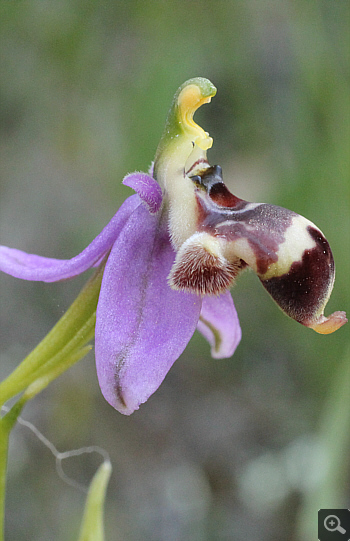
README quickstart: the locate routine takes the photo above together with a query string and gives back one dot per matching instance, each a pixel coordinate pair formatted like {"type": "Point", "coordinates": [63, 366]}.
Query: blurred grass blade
{"type": "Point", "coordinates": [92, 528]}
{"type": "Point", "coordinates": [6, 424]}
{"type": "Point", "coordinates": [334, 437]}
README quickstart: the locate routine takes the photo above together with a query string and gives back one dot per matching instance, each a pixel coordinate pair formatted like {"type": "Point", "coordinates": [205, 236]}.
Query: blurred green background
{"type": "Point", "coordinates": [244, 448]}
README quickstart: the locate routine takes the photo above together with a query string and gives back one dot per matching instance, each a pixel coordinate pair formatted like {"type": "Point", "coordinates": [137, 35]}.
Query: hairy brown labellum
{"type": "Point", "coordinates": [200, 267]}
{"type": "Point", "coordinates": [289, 253]}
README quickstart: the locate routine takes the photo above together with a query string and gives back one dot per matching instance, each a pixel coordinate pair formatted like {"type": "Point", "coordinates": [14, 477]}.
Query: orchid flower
{"type": "Point", "coordinates": [172, 252]}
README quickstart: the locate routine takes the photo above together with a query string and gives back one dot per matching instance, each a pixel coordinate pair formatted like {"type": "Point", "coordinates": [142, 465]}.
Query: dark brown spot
{"type": "Point", "coordinates": [211, 181]}
{"type": "Point", "coordinates": [304, 289]}
{"type": "Point", "coordinates": [222, 196]}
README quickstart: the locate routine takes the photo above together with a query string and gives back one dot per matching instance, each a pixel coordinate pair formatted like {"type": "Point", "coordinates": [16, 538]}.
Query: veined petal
{"type": "Point", "coordinates": [219, 324]}
{"type": "Point", "coordinates": [147, 188]}
{"type": "Point", "coordinates": [33, 267]}
{"type": "Point", "coordinates": [142, 325]}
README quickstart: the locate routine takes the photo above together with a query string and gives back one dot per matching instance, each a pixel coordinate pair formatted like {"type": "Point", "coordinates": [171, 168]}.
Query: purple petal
{"type": "Point", "coordinates": [38, 268]}
{"type": "Point", "coordinates": [147, 188]}
{"type": "Point", "coordinates": [142, 324]}
{"type": "Point", "coordinates": [219, 325]}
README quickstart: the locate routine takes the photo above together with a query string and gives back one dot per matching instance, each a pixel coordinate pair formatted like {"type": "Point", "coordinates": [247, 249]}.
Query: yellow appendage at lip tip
{"type": "Point", "coordinates": [328, 325]}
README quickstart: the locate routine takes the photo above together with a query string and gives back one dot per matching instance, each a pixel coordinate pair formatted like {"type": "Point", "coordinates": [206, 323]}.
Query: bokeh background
{"type": "Point", "coordinates": [242, 448]}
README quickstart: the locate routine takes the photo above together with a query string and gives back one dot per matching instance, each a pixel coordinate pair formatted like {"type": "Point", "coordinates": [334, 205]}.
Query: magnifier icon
{"type": "Point", "coordinates": [332, 524]}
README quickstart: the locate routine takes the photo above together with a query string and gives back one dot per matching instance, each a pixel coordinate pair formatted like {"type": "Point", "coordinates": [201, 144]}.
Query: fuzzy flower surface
{"type": "Point", "coordinates": [172, 252]}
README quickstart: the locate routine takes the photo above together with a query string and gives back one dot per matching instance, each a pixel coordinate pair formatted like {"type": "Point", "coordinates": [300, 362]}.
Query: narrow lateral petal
{"type": "Point", "coordinates": [147, 188]}
{"type": "Point", "coordinates": [142, 324]}
{"type": "Point", "coordinates": [33, 267]}
{"type": "Point", "coordinates": [219, 324]}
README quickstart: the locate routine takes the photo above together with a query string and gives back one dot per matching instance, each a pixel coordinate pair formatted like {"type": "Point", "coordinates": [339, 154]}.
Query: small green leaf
{"type": "Point", "coordinates": [92, 528]}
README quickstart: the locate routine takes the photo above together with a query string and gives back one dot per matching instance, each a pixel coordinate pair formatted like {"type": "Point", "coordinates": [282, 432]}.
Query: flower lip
{"type": "Point", "coordinates": [201, 267]}
{"type": "Point", "coordinates": [290, 255]}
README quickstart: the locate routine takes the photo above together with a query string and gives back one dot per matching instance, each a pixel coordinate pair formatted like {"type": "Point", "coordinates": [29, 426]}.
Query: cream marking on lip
{"type": "Point", "coordinates": [228, 210]}
{"type": "Point", "coordinates": [297, 240]}
{"type": "Point", "coordinates": [241, 249]}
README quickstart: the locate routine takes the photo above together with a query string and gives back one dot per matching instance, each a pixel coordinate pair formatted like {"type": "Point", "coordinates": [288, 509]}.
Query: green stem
{"type": "Point", "coordinates": [4, 438]}
{"type": "Point", "coordinates": [73, 330]}
{"type": "Point", "coordinates": [61, 348]}
{"type": "Point", "coordinates": [58, 362]}
{"type": "Point", "coordinates": [6, 424]}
